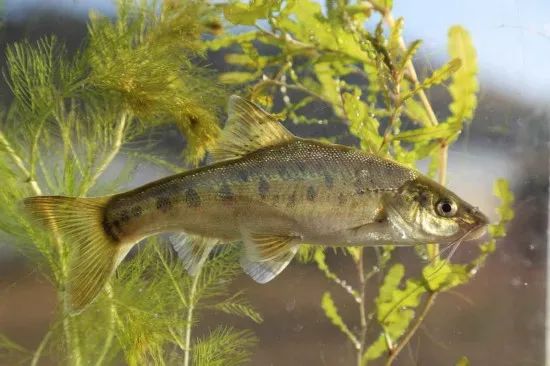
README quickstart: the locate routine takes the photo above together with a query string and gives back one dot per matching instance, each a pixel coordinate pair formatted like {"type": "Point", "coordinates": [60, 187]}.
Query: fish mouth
{"type": "Point", "coordinates": [481, 228]}
{"type": "Point", "coordinates": [477, 232]}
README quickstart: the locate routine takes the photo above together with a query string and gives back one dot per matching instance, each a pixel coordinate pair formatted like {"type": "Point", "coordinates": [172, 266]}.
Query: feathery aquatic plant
{"type": "Point", "coordinates": [74, 119]}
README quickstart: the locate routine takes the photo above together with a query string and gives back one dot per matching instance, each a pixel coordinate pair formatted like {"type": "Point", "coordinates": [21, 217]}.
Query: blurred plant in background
{"type": "Point", "coordinates": [317, 57]}
{"type": "Point", "coordinates": [70, 116]}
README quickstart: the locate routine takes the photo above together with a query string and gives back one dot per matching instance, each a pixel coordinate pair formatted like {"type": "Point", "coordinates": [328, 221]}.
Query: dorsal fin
{"type": "Point", "coordinates": [248, 128]}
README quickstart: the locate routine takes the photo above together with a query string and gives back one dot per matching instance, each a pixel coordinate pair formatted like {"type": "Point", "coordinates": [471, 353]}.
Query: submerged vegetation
{"type": "Point", "coordinates": [71, 116]}
{"type": "Point", "coordinates": [367, 78]}
{"type": "Point", "coordinates": [74, 115]}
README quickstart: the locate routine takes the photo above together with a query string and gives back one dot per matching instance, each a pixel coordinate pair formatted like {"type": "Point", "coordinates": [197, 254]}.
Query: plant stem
{"type": "Point", "coordinates": [388, 18]}
{"type": "Point", "coordinates": [189, 320]}
{"type": "Point", "coordinates": [19, 163]}
{"type": "Point", "coordinates": [117, 144]}
{"type": "Point", "coordinates": [191, 307]}
{"type": "Point", "coordinates": [70, 337]}
{"type": "Point", "coordinates": [362, 310]}
{"type": "Point", "coordinates": [412, 330]}
{"type": "Point", "coordinates": [111, 330]}
{"type": "Point", "coordinates": [40, 348]}
{"type": "Point", "coordinates": [443, 157]}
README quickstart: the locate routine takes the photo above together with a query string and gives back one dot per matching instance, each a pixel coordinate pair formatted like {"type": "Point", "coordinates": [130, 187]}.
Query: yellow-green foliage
{"type": "Point", "coordinates": [464, 86]}
{"type": "Point", "coordinates": [69, 117]}
{"type": "Point", "coordinates": [143, 57]}
{"type": "Point", "coordinates": [367, 79]}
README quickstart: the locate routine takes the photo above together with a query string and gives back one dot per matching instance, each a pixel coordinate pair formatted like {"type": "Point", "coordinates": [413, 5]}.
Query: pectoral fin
{"type": "Point", "coordinates": [192, 250]}
{"type": "Point", "coordinates": [266, 255]}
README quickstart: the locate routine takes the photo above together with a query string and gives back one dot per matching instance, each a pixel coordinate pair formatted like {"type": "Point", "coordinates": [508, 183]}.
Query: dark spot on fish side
{"type": "Point", "coordinates": [109, 230]}
{"type": "Point", "coordinates": [359, 187]}
{"type": "Point", "coordinates": [192, 198]}
{"type": "Point", "coordinates": [341, 198]}
{"type": "Point", "coordinates": [329, 181]}
{"type": "Point", "coordinates": [283, 172]}
{"type": "Point", "coordinates": [225, 193]}
{"type": "Point", "coordinates": [124, 217]}
{"type": "Point", "coordinates": [301, 166]}
{"type": "Point", "coordinates": [137, 211]}
{"type": "Point", "coordinates": [292, 199]}
{"type": "Point", "coordinates": [311, 193]}
{"type": "Point", "coordinates": [163, 204]}
{"type": "Point", "coordinates": [243, 175]}
{"type": "Point", "coordinates": [263, 188]}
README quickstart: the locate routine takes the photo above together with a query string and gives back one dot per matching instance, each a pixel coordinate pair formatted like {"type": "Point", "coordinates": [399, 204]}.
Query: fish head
{"type": "Point", "coordinates": [425, 211]}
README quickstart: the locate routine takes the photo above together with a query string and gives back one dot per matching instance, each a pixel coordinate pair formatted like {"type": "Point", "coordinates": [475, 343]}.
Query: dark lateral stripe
{"type": "Point", "coordinates": [263, 188]}
{"type": "Point", "coordinates": [192, 198]}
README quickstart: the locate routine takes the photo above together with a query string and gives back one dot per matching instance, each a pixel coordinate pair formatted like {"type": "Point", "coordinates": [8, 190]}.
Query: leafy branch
{"type": "Point", "coordinates": [367, 78]}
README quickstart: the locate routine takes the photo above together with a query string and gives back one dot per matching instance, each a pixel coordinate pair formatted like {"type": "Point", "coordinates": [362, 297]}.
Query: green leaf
{"type": "Point", "coordinates": [409, 54]}
{"type": "Point", "coordinates": [464, 85]}
{"type": "Point", "coordinates": [375, 350]}
{"type": "Point", "coordinates": [385, 5]}
{"type": "Point", "coordinates": [395, 307]}
{"type": "Point", "coordinates": [501, 189]}
{"type": "Point", "coordinates": [442, 275]}
{"type": "Point", "coordinates": [440, 131]}
{"type": "Point", "coordinates": [307, 23]}
{"type": "Point", "coordinates": [237, 77]}
{"type": "Point", "coordinates": [331, 312]}
{"type": "Point", "coordinates": [247, 14]}
{"type": "Point", "coordinates": [229, 39]}
{"type": "Point", "coordinates": [395, 36]}
{"type": "Point", "coordinates": [463, 361]}
{"type": "Point", "coordinates": [437, 77]}
{"type": "Point", "coordinates": [505, 211]}
{"type": "Point", "coordinates": [330, 88]}
{"type": "Point", "coordinates": [363, 124]}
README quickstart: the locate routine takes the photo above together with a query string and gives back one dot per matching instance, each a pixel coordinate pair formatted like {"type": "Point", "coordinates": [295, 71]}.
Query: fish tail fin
{"type": "Point", "coordinates": [94, 254]}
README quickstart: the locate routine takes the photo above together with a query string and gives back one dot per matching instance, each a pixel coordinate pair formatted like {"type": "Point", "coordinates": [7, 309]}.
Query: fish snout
{"type": "Point", "coordinates": [479, 228]}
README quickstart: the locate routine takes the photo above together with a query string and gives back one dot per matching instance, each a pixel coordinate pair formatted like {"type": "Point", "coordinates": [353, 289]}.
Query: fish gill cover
{"type": "Point", "coordinates": [145, 70]}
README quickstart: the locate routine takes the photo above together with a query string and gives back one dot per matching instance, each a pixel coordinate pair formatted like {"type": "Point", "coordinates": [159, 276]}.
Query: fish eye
{"type": "Point", "coordinates": [445, 207]}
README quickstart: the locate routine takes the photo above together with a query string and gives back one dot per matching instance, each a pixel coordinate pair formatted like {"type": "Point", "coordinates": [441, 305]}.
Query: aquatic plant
{"type": "Point", "coordinates": [81, 124]}
{"type": "Point", "coordinates": [326, 59]}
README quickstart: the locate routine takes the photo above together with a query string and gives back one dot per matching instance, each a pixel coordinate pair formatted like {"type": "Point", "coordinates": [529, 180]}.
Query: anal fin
{"type": "Point", "coordinates": [266, 255]}
{"type": "Point", "coordinates": [193, 250]}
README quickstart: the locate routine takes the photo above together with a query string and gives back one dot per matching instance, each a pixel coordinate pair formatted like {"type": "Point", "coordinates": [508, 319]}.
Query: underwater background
{"type": "Point", "coordinates": [498, 318]}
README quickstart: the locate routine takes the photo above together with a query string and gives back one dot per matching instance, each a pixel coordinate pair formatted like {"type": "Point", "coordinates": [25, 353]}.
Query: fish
{"type": "Point", "coordinates": [265, 188]}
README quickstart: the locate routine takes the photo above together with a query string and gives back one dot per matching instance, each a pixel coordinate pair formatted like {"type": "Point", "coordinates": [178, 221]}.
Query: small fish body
{"type": "Point", "coordinates": [267, 188]}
